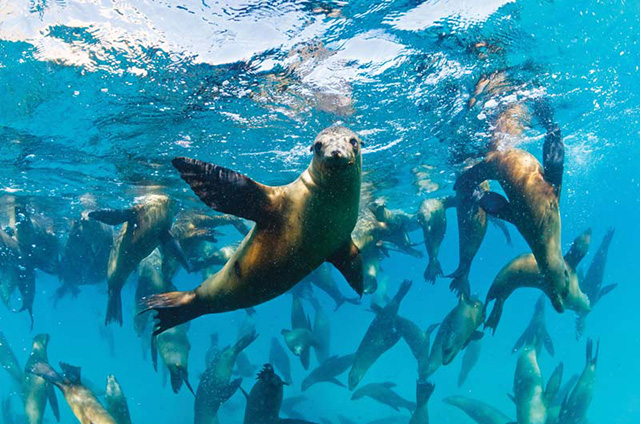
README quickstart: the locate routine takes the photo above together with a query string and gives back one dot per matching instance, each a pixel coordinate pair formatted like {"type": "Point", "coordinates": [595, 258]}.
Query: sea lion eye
{"type": "Point", "coordinates": [354, 142]}
{"type": "Point", "coordinates": [317, 147]}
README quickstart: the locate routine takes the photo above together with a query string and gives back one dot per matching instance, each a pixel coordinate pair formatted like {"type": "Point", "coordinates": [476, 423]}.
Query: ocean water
{"type": "Point", "coordinates": [98, 96]}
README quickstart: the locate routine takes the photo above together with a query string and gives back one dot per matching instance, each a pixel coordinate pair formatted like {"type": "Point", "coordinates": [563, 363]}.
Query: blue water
{"type": "Point", "coordinates": [98, 96]}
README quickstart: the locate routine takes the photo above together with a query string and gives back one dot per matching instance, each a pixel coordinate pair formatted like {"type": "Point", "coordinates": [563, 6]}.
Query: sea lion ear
{"type": "Point", "coordinates": [348, 260]}
{"type": "Point", "coordinates": [227, 191]}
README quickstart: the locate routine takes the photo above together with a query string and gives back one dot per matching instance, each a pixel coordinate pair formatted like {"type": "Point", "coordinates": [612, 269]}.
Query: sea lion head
{"type": "Point", "coordinates": [267, 375]}
{"type": "Point", "coordinates": [336, 149]}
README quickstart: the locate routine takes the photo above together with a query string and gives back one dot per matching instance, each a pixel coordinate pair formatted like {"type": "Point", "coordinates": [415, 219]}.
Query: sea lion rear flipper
{"type": "Point", "coordinates": [185, 377]}
{"type": "Point", "coordinates": [173, 247]}
{"type": "Point", "coordinates": [496, 205]}
{"type": "Point", "coordinates": [225, 190]}
{"type": "Point", "coordinates": [53, 401]}
{"type": "Point", "coordinates": [348, 260]}
{"type": "Point", "coordinates": [154, 353]}
{"type": "Point", "coordinates": [553, 385]}
{"type": "Point", "coordinates": [336, 382]}
{"type": "Point", "coordinates": [173, 308]}
{"type": "Point", "coordinates": [113, 216]}
{"type": "Point", "coordinates": [526, 336]}
{"type": "Point", "coordinates": [553, 157]}
{"type": "Point", "coordinates": [228, 391]}
{"type": "Point", "coordinates": [503, 227]}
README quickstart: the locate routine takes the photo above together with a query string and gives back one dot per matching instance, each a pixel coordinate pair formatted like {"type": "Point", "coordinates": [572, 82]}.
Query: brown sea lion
{"type": "Point", "coordinates": [36, 391]}
{"type": "Point", "coordinates": [523, 271]}
{"type": "Point", "coordinates": [432, 217]}
{"type": "Point", "coordinates": [16, 271]}
{"type": "Point", "coordinates": [536, 333]}
{"type": "Point", "coordinates": [298, 227]}
{"type": "Point", "coordinates": [117, 401]}
{"type": "Point", "coordinates": [38, 241]}
{"type": "Point", "coordinates": [84, 404]}
{"type": "Point", "coordinates": [145, 226]}
{"type": "Point", "coordinates": [533, 206]}
{"type": "Point", "coordinates": [424, 390]}
{"type": "Point", "coordinates": [173, 346]}
{"type": "Point", "coordinates": [576, 404]}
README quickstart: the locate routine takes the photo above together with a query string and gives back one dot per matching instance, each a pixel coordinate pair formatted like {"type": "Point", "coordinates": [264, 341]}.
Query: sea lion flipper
{"type": "Point", "coordinates": [606, 290]}
{"type": "Point", "coordinates": [336, 382]}
{"type": "Point", "coordinates": [53, 401]}
{"type": "Point", "coordinates": [154, 353]}
{"type": "Point", "coordinates": [225, 190]}
{"type": "Point", "coordinates": [497, 205]}
{"type": "Point", "coordinates": [71, 373]}
{"type": "Point", "coordinates": [173, 247]}
{"type": "Point", "coordinates": [113, 216]}
{"type": "Point", "coordinates": [553, 157]}
{"type": "Point", "coordinates": [348, 260]}
{"type": "Point", "coordinates": [548, 343]}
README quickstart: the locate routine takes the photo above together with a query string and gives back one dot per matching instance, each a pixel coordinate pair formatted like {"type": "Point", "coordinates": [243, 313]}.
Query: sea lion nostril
{"type": "Point", "coordinates": [335, 154]}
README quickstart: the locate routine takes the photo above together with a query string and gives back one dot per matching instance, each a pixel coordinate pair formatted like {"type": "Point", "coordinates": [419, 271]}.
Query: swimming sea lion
{"type": "Point", "coordinates": [174, 348]}
{"type": "Point", "coordinates": [298, 227]}
{"type": "Point", "coordinates": [328, 370]}
{"type": "Point", "coordinates": [383, 393]}
{"type": "Point", "coordinates": [117, 401]}
{"type": "Point", "coordinates": [523, 271]}
{"type": "Point", "coordinates": [424, 390]}
{"type": "Point", "coordinates": [279, 358]}
{"type": "Point", "coordinates": [9, 362]}
{"type": "Point", "coordinates": [469, 360]}
{"type": "Point", "coordinates": [265, 398]}
{"type": "Point", "coordinates": [381, 336]}
{"type": "Point", "coordinates": [16, 271]}
{"type": "Point", "coordinates": [83, 403]}
{"type": "Point", "coordinates": [300, 338]}
{"type": "Point", "coordinates": [397, 224]}
{"type": "Point", "coordinates": [38, 241]}
{"type": "Point", "coordinates": [419, 343]}
{"type": "Point", "coordinates": [36, 390]}
{"type": "Point", "coordinates": [533, 206]}
{"type": "Point", "coordinates": [478, 411]}
{"type": "Point", "coordinates": [145, 226]}
{"type": "Point", "coordinates": [151, 280]}
{"type": "Point", "coordinates": [575, 405]}
{"type": "Point", "coordinates": [456, 331]}
{"type": "Point", "coordinates": [433, 220]}
{"type": "Point", "coordinates": [322, 279]}
{"type": "Point", "coordinates": [591, 284]}
{"type": "Point", "coordinates": [536, 333]}
{"type": "Point", "coordinates": [215, 386]}
{"type": "Point", "coordinates": [321, 331]}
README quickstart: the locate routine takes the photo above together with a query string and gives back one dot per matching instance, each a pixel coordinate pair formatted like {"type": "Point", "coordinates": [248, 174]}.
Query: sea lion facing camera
{"type": "Point", "coordinates": [298, 227]}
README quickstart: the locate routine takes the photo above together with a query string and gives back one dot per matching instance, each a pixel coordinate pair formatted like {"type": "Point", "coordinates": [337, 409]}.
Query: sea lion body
{"type": "Point", "coordinates": [328, 370]}
{"type": "Point", "coordinates": [38, 242]}
{"type": "Point", "coordinates": [381, 336]}
{"type": "Point", "coordinates": [16, 271]}
{"type": "Point", "coordinates": [117, 401]}
{"type": "Point", "coordinates": [173, 347]}
{"type": "Point", "coordinates": [536, 333]}
{"type": "Point", "coordinates": [418, 341]}
{"type": "Point", "coordinates": [298, 227]}
{"type": "Point", "coordinates": [478, 411]}
{"type": "Point", "coordinates": [9, 362]}
{"type": "Point", "coordinates": [531, 406]}
{"type": "Point", "coordinates": [151, 281]}
{"type": "Point", "coordinates": [279, 358]}
{"type": "Point", "coordinates": [36, 390]}
{"type": "Point", "coordinates": [321, 332]}
{"type": "Point", "coordinates": [383, 393]}
{"type": "Point", "coordinates": [432, 217]}
{"type": "Point", "coordinates": [265, 399]}
{"type": "Point", "coordinates": [424, 390]}
{"type": "Point", "coordinates": [469, 360]}
{"type": "Point", "coordinates": [574, 409]}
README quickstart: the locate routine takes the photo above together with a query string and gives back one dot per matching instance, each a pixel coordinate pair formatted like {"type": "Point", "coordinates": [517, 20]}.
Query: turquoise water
{"type": "Point", "coordinates": [99, 96]}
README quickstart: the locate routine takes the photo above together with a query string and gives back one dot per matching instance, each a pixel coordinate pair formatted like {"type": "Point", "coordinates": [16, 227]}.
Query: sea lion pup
{"type": "Point", "coordinates": [533, 206]}
{"type": "Point", "coordinates": [531, 399]}
{"type": "Point", "coordinates": [174, 348]}
{"type": "Point", "coordinates": [279, 358]}
{"type": "Point", "coordinates": [383, 393]}
{"type": "Point", "coordinates": [83, 403]}
{"type": "Point", "coordinates": [36, 391]}
{"type": "Point", "coordinates": [536, 332]}
{"type": "Point", "coordinates": [145, 226]}
{"type": "Point", "coordinates": [9, 362]}
{"type": "Point", "coordinates": [298, 227]}
{"type": "Point", "coordinates": [322, 279]}
{"type": "Point", "coordinates": [424, 390]}
{"type": "Point", "coordinates": [469, 360]}
{"type": "Point", "coordinates": [381, 336]}
{"type": "Point", "coordinates": [433, 220]}
{"type": "Point", "coordinates": [117, 401]}
{"type": "Point", "coordinates": [418, 341]}
{"type": "Point", "coordinates": [265, 398]}
{"type": "Point", "coordinates": [85, 256]}
{"type": "Point", "coordinates": [321, 331]}
{"type": "Point", "coordinates": [523, 271]}
{"type": "Point", "coordinates": [215, 387]}
{"type": "Point", "coordinates": [456, 331]}
{"type": "Point", "coordinates": [591, 284]}
{"type": "Point", "coordinates": [478, 411]}
{"type": "Point", "coordinates": [575, 405]}
{"type": "Point", "coordinates": [16, 271]}
{"type": "Point", "coordinates": [328, 370]}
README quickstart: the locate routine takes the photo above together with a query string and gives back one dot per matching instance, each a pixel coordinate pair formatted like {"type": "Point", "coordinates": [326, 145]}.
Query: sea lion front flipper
{"type": "Point", "coordinates": [173, 247]}
{"type": "Point", "coordinates": [348, 260]}
{"type": "Point", "coordinates": [53, 401]}
{"type": "Point", "coordinates": [336, 382]}
{"type": "Point", "coordinates": [113, 216]}
{"type": "Point", "coordinates": [496, 205]}
{"type": "Point", "coordinates": [225, 190]}
{"type": "Point", "coordinates": [606, 290]}
{"type": "Point", "coordinates": [553, 157]}
{"type": "Point", "coordinates": [502, 227]}
{"type": "Point", "coordinates": [548, 344]}
{"type": "Point", "coordinates": [553, 385]}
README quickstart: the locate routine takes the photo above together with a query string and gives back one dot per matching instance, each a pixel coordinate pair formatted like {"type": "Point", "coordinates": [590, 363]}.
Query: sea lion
{"type": "Point", "coordinates": [381, 336]}
{"type": "Point", "coordinates": [36, 391]}
{"type": "Point", "coordinates": [328, 370]}
{"type": "Point", "coordinates": [383, 393]}
{"type": "Point", "coordinates": [433, 220]}
{"type": "Point", "coordinates": [215, 386]}
{"type": "Point", "coordinates": [322, 279]}
{"type": "Point", "coordinates": [265, 399]}
{"type": "Point", "coordinates": [424, 390]}
{"type": "Point", "coordinates": [321, 331]}
{"type": "Point", "coordinates": [523, 271]}
{"type": "Point", "coordinates": [469, 360]}
{"type": "Point", "coordinates": [298, 227]}
{"type": "Point", "coordinates": [279, 358]}
{"type": "Point", "coordinates": [85, 256]}
{"type": "Point", "coordinates": [536, 333]}
{"type": "Point", "coordinates": [397, 224]}
{"type": "Point", "coordinates": [145, 226]}
{"type": "Point", "coordinates": [591, 283]}
{"type": "Point", "coordinates": [151, 280]}
{"type": "Point", "coordinates": [174, 348]}
{"type": "Point", "coordinates": [38, 241]}
{"type": "Point", "coordinates": [478, 411]}
{"type": "Point", "coordinates": [456, 331]}
{"type": "Point", "coordinates": [418, 341]}
{"type": "Point", "coordinates": [244, 366]}
{"type": "Point", "coordinates": [116, 401]}
{"type": "Point", "coordinates": [531, 398]}
{"type": "Point", "coordinates": [300, 338]}
{"type": "Point", "coordinates": [83, 403]}
{"type": "Point", "coordinates": [533, 206]}
{"type": "Point", "coordinates": [576, 404]}
{"type": "Point", "coordinates": [16, 271]}
{"type": "Point", "coordinates": [9, 362]}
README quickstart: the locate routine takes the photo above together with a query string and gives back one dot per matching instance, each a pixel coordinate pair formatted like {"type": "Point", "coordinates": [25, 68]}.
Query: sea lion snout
{"type": "Point", "coordinates": [336, 147]}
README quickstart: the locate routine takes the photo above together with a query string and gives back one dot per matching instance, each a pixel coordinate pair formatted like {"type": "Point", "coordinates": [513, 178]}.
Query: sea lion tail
{"type": "Point", "coordinates": [173, 308]}
{"type": "Point", "coordinates": [460, 283]}
{"type": "Point", "coordinates": [114, 308]}
{"type": "Point", "coordinates": [434, 270]}
{"type": "Point", "coordinates": [424, 390]}
{"type": "Point", "coordinates": [496, 313]}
